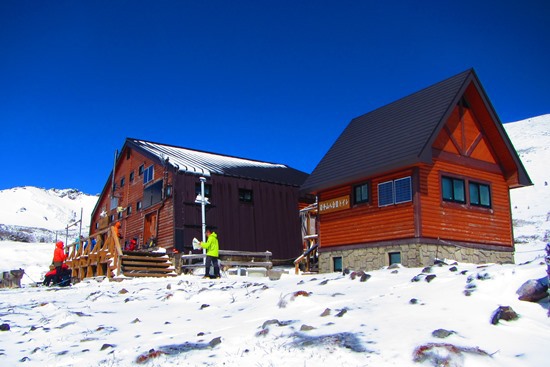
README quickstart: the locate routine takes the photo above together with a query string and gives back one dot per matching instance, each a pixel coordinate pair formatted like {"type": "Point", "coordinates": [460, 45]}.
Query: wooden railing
{"type": "Point", "coordinates": [103, 259]}
{"type": "Point", "coordinates": [310, 252]}
{"type": "Point", "coordinates": [228, 258]}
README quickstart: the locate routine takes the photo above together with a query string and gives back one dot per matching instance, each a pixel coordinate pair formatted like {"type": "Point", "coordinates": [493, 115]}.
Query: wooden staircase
{"type": "Point", "coordinates": [146, 264]}
{"type": "Point", "coordinates": [108, 259]}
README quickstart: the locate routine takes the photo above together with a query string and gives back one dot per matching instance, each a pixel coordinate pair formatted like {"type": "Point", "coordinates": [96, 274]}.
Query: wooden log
{"type": "Point", "coordinates": [125, 264]}
{"type": "Point", "coordinates": [146, 258]}
{"type": "Point", "coordinates": [155, 270]}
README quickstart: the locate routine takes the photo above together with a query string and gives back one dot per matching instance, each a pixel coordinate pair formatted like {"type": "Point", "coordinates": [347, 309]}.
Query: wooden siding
{"type": "Point", "coordinates": [468, 155]}
{"type": "Point", "coordinates": [270, 223]}
{"type": "Point", "coordinates": [460, 150]}
{"type": "Point", "coordinates": [460, 222]}
{"type": "Point", "coordinates": [129, 195]}
{"type": "Point", "coordinates": [366, 222]}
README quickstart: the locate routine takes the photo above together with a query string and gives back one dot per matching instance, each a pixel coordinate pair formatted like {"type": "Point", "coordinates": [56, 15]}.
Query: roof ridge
{"type": "Point", "coordinates": [205, 152]}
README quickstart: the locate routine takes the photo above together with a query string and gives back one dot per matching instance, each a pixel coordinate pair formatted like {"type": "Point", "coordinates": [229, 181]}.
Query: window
{"type": "Point", "coordinates": [119, 215]}
{"type": "Point", "coordinates": [245, 196]}
{"type": "Point", "coordinates": [129, 210]}
{"type": "Point", "coordinates": [122, 181]}
{"type": "Point", "coordinates": [132, 176]}
{"type": "Point", "coordinates": [361, 194]}
{"type": "Point", "coordinates": [207, 190]}
{"type": "Point", "coordinates": [453, 189]}
{"type": "Point", "coordinates": [140, 170]}
{"type": "Point", "coordinates": [394, 257]}
{"type": "Point", "coordinates": [395, 192]}
{"type": "Point", "coordinates": [337, 263]}
{"type": "Point", "coordinates": [148, 174]}
{"type": "Point", "coordinates": [138, 205]}
{"type": "Point", "coordinates": [385, 193]}
{"type": "Point", "coordinates": [152, 194]}
{"type": "Point", "coordinates": [403, 191]}
{"type": "Point", "coordinates": [480, 194]}
{"type": "Point", "coordinates": [114, 203]}
{"type": "Point", "coordinates": [111, 218]}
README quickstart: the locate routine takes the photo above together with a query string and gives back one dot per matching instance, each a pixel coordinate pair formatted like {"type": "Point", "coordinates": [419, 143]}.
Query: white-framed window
{"type": "Point", "coordinates": [395, 192]}
{"type": "Point", "coordinates": [148, 174]}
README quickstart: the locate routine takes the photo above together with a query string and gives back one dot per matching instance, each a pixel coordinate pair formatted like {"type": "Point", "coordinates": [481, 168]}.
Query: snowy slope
{"type": "Point", "coordinates": [531, 205]}
{"type": "Point", "coordinates": [47, 211]}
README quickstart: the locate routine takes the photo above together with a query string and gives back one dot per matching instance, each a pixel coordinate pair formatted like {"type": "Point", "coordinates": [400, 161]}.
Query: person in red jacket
{"type": "Point", "coordinates": [50, 276]}
{"type": "Point", "coordinates": [59, 257]}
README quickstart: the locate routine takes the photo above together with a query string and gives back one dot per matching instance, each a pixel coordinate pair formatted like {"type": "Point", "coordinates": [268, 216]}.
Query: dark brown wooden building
{"type": "Point", "coordinates": [154, 187]}
{"type": "Point", "coordinates": [425, 177]}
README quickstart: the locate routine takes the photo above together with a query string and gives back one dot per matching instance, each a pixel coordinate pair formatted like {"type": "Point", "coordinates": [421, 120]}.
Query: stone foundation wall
{"type": "Point", "coordinates": [412, 255]}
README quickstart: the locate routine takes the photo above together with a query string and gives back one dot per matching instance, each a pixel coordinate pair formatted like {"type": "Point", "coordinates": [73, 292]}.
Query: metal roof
{"type": "Point", "coordinates": [206, 163]}
{"type": "Point", "coordinates": [394, 136]}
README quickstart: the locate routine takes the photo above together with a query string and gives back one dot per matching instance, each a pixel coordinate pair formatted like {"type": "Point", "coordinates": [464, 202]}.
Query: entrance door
{"type": "Point", "coordinates": [150, 229]}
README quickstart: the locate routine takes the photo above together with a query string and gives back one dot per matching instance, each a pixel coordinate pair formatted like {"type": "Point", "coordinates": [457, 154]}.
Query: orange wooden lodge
{"type": "Point", "coordinates": [426, 177]}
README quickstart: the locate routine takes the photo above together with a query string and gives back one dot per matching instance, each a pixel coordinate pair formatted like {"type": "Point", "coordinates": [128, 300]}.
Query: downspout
{"type": "Point", "coordinates": [113, 176]}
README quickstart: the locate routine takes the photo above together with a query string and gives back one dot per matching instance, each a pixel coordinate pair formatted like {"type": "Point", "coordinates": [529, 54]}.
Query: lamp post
{"type": "Point", "coordinates": [203, 200]}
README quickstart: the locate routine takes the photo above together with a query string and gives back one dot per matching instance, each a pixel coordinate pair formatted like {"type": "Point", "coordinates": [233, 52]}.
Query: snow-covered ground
{"type": "Point", "coordinates": [299, 320]}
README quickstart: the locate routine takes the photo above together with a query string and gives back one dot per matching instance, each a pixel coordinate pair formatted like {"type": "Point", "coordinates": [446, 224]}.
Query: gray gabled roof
{"type": "Point", "coordinates": [394, 136]}
{"type": "Point", "coordinates": [206, 163]}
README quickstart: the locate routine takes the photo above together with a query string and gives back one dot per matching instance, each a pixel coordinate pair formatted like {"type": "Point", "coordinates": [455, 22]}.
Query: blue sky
{"type": "Point", "coordinates": [269, 80]}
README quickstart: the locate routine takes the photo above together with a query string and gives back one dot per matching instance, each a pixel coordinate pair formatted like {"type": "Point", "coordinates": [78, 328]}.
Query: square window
{"type": "Point", "coordinates": [152, 194]}
{"type": "Point", "coordinates": [138, 205]}
{"type": "Point", "coordinates": [394, 257]}
{"type": "Point", "coordinates": [245, 196]}
{"type": "Point", "coordinates": [140, 169]}
{"type": "Point", "coordinates": [395, 192]}
{"type": "Point", "coordinates": [132, 176]}
{"type": "Point", "coordinates": [122, 181]}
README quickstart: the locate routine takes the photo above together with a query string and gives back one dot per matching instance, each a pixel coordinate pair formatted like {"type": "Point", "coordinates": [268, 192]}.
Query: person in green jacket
{"type": "Point", "coordinates": [212, 248]}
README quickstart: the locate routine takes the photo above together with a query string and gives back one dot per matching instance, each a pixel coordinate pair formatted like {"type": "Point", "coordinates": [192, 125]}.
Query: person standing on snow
{"type": "Point", "coordinates": [59, 257]}
{"type": "Point", "coordinates": [212, 248]}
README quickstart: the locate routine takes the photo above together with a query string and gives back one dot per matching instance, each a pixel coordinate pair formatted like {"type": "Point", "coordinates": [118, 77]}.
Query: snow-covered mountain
{"type": "Point", "coordinates": [31, 214]}
{"type": "Point", "coordinates": [531, 205]}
